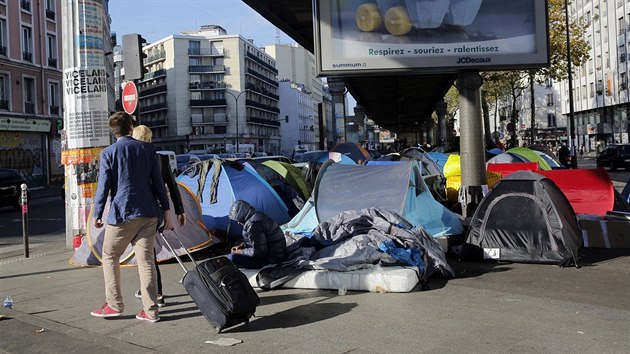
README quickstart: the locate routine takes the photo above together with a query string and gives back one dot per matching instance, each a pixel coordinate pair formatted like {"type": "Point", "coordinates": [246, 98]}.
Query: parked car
{"type": "Point", "coordinates": [10, 188]}
{"type": "Point", "coordinates": [185, 160]}
{"type": "Point", "coordinates": [309, 155]}
{"type": "Point", "coordinates": [614, 156]}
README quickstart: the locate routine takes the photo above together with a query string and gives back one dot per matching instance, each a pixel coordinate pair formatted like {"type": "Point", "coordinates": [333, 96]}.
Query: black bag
{"type": "Point", "coordinates": [221, 291]}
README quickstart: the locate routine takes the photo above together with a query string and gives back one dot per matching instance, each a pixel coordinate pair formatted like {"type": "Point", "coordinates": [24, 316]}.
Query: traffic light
{"type": "Point", "coordinates": [134, 56]}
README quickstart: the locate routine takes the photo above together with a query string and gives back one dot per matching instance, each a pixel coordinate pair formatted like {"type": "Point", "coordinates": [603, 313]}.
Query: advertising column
{"type": "Point", "coordinates": [86, 110]}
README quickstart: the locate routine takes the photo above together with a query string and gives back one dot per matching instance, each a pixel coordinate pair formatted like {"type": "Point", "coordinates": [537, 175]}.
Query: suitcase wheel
{"type": "Point", "coordinates": [217, 329]}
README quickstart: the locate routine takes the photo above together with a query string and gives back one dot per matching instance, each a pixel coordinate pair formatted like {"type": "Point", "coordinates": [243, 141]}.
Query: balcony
{"type": "Point", "coordinates": [207, 85]}
{"type": "Point", "coordinates": [261, 90]}
{"type": "Point", "coordinates": [54, 110]}
{"type": "Point", "coordinates": [261, 62]}
{"type": "Point", "coordinates": [262, 106]}
{"type": "Point", "coordinates": [152, 90]}
{"type": "Point", "coordinates": [262, 77]}
{"type": "Point", "coordinates": [52, 62]}
{"type": "Point", "coordinates": [154, 74]}
{"type": "Point", "coordinates": [156, 123]}
{"type": "Point", "coordinates": [29, 107]}
{"type": "Point", "coordinates": [50, 14]}
{"type": "Point", "coordinates": [201, 52]}
{"type": "Point", "coordinates": [156, 56]}
{"type": "Point", "coordinates": [3, 50]}
{"type": "Point", "coordinates": [25, 5]}
{"type": "Point", "coordinates": [264, 121]}
{"type": "Point", "coordinates": [27, 56]}
{"type": "Point", "coordinates": [153, 107]}
{"type": "Point", "coordinates": [4, 105]}
{"type": "Point", "coordinates": [207, 103]}
{"type": "Point", "coordinates": [206, 68]}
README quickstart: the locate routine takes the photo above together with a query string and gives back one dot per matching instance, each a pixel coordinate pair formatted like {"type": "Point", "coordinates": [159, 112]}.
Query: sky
{"type": "Point", "coordinates": [156, 19]}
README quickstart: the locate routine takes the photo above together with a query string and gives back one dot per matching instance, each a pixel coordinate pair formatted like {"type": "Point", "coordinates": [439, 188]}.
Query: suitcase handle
{"type": "Point", "coordinates": [179, 260]}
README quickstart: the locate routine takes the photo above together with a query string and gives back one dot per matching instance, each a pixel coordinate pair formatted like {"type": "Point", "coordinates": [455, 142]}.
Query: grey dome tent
{"type": "Point", "coordinates": [525, 218]}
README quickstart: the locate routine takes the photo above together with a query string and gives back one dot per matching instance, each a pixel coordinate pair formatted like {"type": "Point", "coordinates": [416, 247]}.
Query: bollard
{"type": "Point", "coordinates": [24, 202]}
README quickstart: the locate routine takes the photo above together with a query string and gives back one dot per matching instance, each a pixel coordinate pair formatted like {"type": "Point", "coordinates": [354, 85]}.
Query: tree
{"type": "Point", "coordinates": [558, 69]}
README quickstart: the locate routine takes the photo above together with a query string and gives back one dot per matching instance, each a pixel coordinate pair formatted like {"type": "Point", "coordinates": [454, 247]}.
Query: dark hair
{"type": "Point", "coordinates": [121, 124]}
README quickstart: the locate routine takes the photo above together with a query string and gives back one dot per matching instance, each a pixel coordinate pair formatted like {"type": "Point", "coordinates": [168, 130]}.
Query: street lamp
{"type": "Point", "coordinates": [571, 112]}
{"type": "Point", "coordinates": [236, 97]}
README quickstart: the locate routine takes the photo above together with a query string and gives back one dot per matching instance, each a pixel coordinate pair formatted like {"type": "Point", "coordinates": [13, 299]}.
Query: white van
{"type": "Point", "coordinates": [171, 160]}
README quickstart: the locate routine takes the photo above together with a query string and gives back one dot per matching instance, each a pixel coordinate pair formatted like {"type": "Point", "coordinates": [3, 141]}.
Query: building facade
{"type": "Point", "coordinates": [297, 118]}
{"type": "Point", "coordinates": [31, 89]}
{"type": "Point", "coordinates": [297, 65]}
{"type": "Point", "coordinates": [600, 86]}
{"type": "Point", "coordinates": [208, 90]}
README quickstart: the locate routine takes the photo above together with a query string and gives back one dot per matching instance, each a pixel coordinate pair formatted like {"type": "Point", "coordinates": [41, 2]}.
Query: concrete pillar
{"type": "Point", "coordinates": [85, 115]}
{"type": "Point", "coordinates": [337, 88]}
{"type": "Point", "coordinates": [473, 163]}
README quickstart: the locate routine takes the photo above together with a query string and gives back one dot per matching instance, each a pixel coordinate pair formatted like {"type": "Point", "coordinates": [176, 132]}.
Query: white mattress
{"type": "Point", "coordinates": [380, 279]}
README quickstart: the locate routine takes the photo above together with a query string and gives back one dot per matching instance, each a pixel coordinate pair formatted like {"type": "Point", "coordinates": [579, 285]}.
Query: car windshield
{"type": "Point", "coordinates": [624, 149]}
{"type": "Point", "coordinates": [310, 156]}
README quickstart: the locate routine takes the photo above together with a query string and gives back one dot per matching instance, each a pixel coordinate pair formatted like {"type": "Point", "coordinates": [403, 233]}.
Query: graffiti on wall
{"type": "Point", "coordinates": [23, 152]}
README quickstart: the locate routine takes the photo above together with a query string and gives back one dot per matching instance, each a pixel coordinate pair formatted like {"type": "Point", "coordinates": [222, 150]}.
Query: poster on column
{"type": "Point", "coordinates": [85, 102]}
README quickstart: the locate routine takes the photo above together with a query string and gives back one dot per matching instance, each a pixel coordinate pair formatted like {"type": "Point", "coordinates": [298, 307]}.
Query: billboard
{"type": "Point", "coordinates": [355, 37]}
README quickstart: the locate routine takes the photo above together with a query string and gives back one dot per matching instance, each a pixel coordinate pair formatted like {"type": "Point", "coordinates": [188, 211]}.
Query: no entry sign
{"type": "Point", "coordinates": [130, 97]}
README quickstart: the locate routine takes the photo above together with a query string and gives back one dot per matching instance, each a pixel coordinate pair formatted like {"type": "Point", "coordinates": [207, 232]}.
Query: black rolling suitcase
{"type": "Point", "coordinates": [221, 291]}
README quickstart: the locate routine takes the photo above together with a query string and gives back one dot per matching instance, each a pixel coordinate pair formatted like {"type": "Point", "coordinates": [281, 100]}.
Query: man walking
{"type": "Point", "coordinates": [130, 175]}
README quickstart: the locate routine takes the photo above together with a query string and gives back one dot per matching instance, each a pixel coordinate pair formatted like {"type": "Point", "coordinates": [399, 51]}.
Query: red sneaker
{"type": "Point", "coordinates": [143, 316]}
{"type": "Point", "coordinates": [106, 311]}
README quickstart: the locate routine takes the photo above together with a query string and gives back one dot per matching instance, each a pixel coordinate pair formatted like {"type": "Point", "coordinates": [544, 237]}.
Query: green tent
{"type": "Point", "coordinates": [530, 156]}
{"type": "Point", "coordinates": [292, 175]}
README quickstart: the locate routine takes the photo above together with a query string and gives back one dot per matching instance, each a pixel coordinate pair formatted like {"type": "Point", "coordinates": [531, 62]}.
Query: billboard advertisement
{"type": "Point", "coordinates": [372, 36]}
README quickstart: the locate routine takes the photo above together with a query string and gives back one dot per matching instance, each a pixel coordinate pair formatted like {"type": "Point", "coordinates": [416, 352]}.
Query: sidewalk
{"type": "Point", "coordinates": [488, 307]}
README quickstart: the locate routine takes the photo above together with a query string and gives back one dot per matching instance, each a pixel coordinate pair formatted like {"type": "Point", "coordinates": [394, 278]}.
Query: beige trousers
{"type": "Point", "coordinates": [140, 232]}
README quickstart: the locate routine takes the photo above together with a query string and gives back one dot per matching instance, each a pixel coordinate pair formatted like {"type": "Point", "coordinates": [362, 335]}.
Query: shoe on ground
{"type": "Point", "coordinates": [160, 298]}
{"type": "Point", "coordinates": [143, 316]}
{"type": "Point", "coordinates": [138, 294]}
{"type": "Point", "coordinates": [160, 301]}
{"type": "Point", "coordinates": [106, 311]}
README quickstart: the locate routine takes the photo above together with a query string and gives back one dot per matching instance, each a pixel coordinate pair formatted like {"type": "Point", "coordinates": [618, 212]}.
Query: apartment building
{"type": "Point", "coordinates": [297, 118]}
{"type": "Point", "coordinates": [600, 86]}
{"type": "Point", "coordinates": [31, 89]}
{"type": "Point", "coordinates": [208, 90]}
{"type": "Point", "coordinates": [297, 65]}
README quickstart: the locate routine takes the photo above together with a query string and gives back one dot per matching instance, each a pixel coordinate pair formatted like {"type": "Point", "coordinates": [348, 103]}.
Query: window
{"type": "Point", "coordinates": [50, 9]}
{"type": "Point", "coordinates": [52, 50]}
{"type": "Point", "coordinates": [551, 120]}
{"type": "Point", "coordinates": [53, 98]}
{"type": "Point", "coordinates": [194, 47]}
{"type": "Point", "coordinates": [4, 92]}
{"type": "Point", "coordinates": [29, 95]}
{"type": "Point", "coordinates": [25, 5]}
{"type": "Point", "coordinates": [3, 37]}
{"type": "Point", "coordinates": [550, 99]}
{"type": "Point", "coordinates": [549, 82]}
{"type": "Point", "coordinates": [27, 44]}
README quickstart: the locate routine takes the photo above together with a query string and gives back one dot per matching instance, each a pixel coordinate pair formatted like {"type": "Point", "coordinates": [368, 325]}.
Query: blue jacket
{"type": "Point", "coordinates": [130, 175]}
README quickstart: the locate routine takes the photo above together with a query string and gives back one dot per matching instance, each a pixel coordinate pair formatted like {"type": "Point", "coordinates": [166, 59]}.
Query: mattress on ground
{"type": "Point", "coordinates": [393, 279]}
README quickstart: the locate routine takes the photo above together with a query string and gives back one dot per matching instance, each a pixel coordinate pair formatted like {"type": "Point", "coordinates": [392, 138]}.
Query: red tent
{"type": "Point", "coordinates": [507, 168]}
{"type": "Point", "coordinates": [590, 191]}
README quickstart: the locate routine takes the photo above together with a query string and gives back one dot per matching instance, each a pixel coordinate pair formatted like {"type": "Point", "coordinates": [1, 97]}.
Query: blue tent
{"type": "Point", "coordinates": [396, 186]}
{"type": "Point", "coordinates": [439, 158]}
{"type": "Point", "coordinates": [217, 191]}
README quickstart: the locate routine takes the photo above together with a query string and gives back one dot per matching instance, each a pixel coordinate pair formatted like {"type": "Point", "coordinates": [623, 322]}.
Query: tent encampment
{"type": "Point", "coordinates": [429, 166]}
{"type": "Point", "coordinates": [397, 186]}
{"type": "Point", "coordinates": [525, 218]}
{"type": "Point", "coordinates": [193, 233]}
{"type": "Point", "coordinates": [218, 183]}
